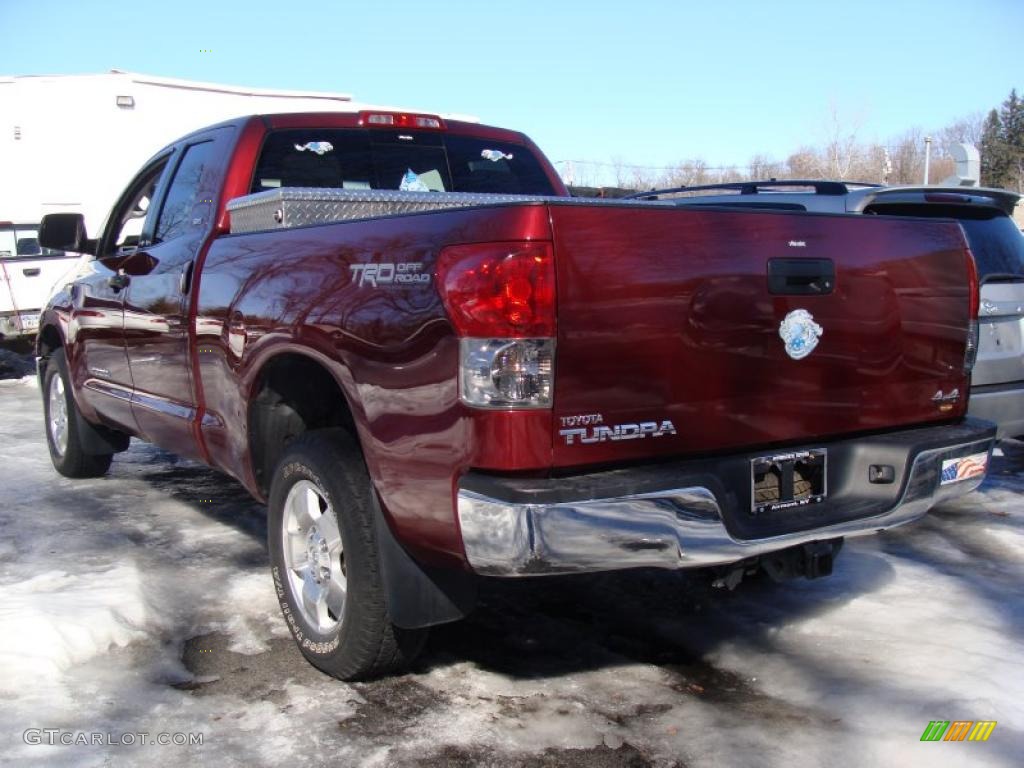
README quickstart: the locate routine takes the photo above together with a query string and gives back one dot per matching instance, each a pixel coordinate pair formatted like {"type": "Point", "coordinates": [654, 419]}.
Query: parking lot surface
{"type": "Point", "coordinates": [141, 603]}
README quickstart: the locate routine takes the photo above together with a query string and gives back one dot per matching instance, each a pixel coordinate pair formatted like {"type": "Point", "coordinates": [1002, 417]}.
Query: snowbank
{"type": "Point", "coordinates": [55, 620]}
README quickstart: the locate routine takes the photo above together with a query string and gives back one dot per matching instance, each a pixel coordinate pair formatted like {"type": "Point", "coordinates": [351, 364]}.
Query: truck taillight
{"type": "Point", "coordinates": [506, 373]}
{"type": "Point", "coordinates": [974, 288]}
{"type": "Point", "coordinates": [501, 300]}
{"type": "Point", "coordinates": [499, 290]}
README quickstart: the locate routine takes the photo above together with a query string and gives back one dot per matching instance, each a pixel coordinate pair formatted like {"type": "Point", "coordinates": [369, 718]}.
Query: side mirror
{"type": "Point", "coordinates": [65, 232]}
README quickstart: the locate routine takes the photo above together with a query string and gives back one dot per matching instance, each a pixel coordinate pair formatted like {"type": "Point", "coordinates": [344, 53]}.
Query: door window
{"type": "Point", "coordinates": [184, 193]}
{"type": "Point", "coordinates": [132, 211]}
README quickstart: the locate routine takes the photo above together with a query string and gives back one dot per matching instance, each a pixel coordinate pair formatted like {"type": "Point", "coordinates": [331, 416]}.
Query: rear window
{"type": "Point", "coordinates": [418, 161]}
{"type": "Point", "coordinates": [995, 241]}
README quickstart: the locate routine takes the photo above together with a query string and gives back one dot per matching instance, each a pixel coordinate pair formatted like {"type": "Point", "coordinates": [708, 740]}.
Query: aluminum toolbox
{"type": "Point", "coordinates": [303, 206]}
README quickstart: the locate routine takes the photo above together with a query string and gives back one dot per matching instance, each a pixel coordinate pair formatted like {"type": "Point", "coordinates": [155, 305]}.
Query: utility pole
{"type": "Point", "coordinates": [927, 156]}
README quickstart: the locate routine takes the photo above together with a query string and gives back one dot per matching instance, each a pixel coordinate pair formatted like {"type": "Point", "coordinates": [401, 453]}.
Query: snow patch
{"type": "Point", "coordinates": [55, 620]}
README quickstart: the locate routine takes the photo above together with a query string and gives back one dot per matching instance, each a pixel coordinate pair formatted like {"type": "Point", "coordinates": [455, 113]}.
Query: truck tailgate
{"type": "Point", "coordinates": [665, 315]}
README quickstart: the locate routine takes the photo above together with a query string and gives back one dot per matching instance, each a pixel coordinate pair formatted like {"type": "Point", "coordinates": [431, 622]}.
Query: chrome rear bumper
{"type": "Point", "coordinates": [679, 527]}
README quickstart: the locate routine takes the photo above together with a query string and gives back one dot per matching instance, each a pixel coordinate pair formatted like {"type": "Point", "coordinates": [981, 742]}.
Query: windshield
{"type": "Point", "coordinates": [415, 161]}
{"type": "Point", "coordinates": [22, 241]}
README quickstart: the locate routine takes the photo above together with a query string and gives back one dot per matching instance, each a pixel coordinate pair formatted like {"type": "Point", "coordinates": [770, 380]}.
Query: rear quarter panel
{"type": "Point", "coordinates": [391, 349]}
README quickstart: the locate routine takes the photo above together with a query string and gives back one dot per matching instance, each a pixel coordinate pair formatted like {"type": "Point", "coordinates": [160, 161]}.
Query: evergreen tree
{"type": "Point", "coordinates": [1012, 118]}
{"type": "Point", "coordinates": [992, 153]}
{"type": "Point", "coordinates": [1002, 145]}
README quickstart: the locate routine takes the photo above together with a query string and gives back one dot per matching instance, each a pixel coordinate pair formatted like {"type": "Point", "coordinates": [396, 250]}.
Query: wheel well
{"type": "Point", "coordinates": [293, 394]}
{"type": "Point", "coordinates": [47, 341]}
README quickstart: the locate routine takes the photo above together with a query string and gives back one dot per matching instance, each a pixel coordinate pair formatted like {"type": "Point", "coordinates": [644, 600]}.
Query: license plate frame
{"type": "Point", "coordinates": [800, 478]}
{"type": "Point", "coordinates": [29, 322]}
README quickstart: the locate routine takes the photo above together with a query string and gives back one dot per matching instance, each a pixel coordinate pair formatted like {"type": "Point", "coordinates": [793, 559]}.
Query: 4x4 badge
{"type": "Point", "coordinates": [800, 333]}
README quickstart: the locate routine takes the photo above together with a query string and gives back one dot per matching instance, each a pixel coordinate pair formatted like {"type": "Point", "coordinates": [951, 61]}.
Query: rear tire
{"type": "Point", "coordinates": [325, 561]}
{"type": "Point", "coordinates": [61, 416]}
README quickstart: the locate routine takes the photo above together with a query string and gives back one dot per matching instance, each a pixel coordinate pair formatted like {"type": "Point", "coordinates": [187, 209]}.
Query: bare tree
{"type": "Point", "coordinates": [966, 130]}
{"type": "Point", "coordinates": [841, 148]}
{"type": "Point", "coordinates": [763, 167]}
{"type": "Point", "coordinates": [805, 163]}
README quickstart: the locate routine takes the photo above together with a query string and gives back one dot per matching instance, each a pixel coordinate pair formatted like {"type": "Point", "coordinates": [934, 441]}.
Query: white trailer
{"type": "Point", "coordinates": [72, 143]}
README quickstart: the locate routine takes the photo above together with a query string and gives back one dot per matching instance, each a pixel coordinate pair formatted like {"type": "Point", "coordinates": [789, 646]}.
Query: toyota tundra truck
{"type": "Point", "coordinates": [433, 365]}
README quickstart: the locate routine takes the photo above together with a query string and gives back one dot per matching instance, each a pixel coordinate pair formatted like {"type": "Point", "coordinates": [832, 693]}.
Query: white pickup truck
{"type": "Point", "coordinates": [27, 274]}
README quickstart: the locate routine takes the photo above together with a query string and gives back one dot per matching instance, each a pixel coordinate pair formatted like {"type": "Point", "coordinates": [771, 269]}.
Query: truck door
{"type": "Point", "coordinates": [99, 361]}
{"type": "Point", "coordinates": [156, 311]}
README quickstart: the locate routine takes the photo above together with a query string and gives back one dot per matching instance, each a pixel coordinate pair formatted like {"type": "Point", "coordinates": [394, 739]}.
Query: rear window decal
{"type": "Point", "coordinates": [494, 155]}
{"type": "Point", "coordinates": [319, 147]}
{"type": "Point", "coordinates": [411, 183]}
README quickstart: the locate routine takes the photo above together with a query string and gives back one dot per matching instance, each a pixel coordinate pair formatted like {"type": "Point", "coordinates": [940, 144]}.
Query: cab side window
{"type": "Point", "coordinates": [133, 211]}
{"type": "Point", "coordinates": [176, 217]}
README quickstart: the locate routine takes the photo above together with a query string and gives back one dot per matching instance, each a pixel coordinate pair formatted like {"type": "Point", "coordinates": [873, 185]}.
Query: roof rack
{"type": "Point", "coordinates": [820, 186]}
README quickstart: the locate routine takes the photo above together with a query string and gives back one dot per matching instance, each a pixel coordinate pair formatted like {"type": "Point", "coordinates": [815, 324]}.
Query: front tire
{"type": "Point", "coordinates": [61, 416]}
{"type": "Point", "coordinates": [325, 563]}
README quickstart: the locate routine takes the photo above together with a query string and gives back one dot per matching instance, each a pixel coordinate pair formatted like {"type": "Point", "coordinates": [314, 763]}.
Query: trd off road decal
{"type": "Point", "coordinates": [383, 275]}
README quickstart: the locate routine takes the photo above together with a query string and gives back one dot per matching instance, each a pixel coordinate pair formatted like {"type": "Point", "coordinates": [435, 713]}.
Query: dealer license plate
{"type": "Point", "coordinates": [788, 480]}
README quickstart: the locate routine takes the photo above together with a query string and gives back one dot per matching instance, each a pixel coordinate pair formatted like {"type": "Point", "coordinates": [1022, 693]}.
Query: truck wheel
{"type": "Point", "coordinates": [61, 416]}
{"type": "Point", "coordinates": [324, 560]}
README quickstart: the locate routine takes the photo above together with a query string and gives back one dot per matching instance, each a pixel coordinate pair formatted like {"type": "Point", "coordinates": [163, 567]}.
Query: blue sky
{"type": "Point", "coordinates": [649, 82]}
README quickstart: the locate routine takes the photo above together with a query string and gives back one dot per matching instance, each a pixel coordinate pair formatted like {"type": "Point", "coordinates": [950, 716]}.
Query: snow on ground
{"type": "Point", "coordinates": [140, 602]}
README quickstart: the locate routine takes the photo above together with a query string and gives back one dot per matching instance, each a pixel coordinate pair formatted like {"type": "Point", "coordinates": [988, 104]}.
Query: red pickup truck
{"type": "Point", "coordinates": [432, 364]}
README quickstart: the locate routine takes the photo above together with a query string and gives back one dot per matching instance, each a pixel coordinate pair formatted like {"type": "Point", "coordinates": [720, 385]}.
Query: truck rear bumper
{"type": "Point", "coordinates": [14, 324]}
{"type": "Point", "coordinates": [690, 514]}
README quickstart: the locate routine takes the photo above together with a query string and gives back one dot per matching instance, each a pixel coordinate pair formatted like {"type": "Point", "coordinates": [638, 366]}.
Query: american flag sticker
{"type": "Point", "coordinates": [964, 468]}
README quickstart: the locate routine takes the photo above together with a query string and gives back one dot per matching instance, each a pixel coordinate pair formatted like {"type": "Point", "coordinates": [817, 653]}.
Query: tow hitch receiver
{"type": "Point", "coordinates": [811, 560]}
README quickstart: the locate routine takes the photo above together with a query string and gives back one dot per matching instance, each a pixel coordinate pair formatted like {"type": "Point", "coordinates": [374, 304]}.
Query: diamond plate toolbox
{"type": "Point", "coordinates": [304, 206]}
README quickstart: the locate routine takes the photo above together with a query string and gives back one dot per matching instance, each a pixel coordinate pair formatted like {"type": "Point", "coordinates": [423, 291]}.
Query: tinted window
{"type": "Point", "coordinates": [482, 165]}
{"type": "Point", "coordinates": [384, 159]}
{"type": "Point", "coordinates": [176, 214]}
{"type": "Point", "coordinates": [995, 241]}
{"type": "Point", "coordinates": [997, 245]}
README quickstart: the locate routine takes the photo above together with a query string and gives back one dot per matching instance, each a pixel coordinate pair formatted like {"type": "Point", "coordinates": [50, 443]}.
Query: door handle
{"type": "Point", "coordinates": [801, 277]}
{"type": "Point", "coordinates": [118, 281]}
{"type": "Point", "coordinates": [31, 272]}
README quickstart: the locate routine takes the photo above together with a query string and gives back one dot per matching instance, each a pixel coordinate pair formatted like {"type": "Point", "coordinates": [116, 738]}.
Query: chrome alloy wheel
{"type": "Point", "coordinates": [314, 556]}
{"type": "Point", "coordinates": [58, 415]}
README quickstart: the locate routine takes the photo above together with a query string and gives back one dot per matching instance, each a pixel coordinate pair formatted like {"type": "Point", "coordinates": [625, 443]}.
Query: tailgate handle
{"type": "Point", "coordinates": [801, 277]}
{"type": "Point", "coordinates": [31, 272]}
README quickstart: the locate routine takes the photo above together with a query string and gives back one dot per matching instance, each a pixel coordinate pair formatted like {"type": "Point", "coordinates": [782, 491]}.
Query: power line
{"type": "Point", "coordinates": [660, 167]}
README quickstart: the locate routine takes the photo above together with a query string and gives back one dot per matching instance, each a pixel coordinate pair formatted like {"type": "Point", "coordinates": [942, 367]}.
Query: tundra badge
{"type": "Point", "coordinates": [800, 333]}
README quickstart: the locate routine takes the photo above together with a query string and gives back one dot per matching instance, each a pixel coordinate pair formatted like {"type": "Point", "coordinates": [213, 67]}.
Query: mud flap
{"type": "Point", "coordinates": [100, 440]}
{"type": "Point", "coordinates": [419, 595]}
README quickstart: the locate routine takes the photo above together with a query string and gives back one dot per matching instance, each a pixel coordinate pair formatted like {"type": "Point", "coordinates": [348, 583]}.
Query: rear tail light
{"type": "Point", "coordinates": [506, 373]}
{"type": "Point", "coordinates": [501, 300]}
{"type": "Point", "coordinates": [499, 290]}
{"type": "Point", "coordinates": [971, 350]}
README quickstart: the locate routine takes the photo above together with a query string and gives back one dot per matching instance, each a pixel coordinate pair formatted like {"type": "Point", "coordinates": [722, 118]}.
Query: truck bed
{"type": "Point", "coordinates": [665, 314]}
